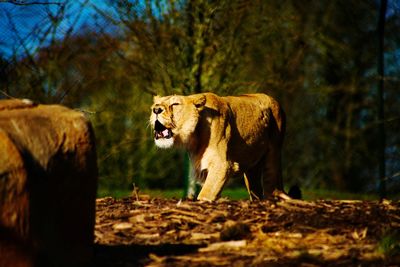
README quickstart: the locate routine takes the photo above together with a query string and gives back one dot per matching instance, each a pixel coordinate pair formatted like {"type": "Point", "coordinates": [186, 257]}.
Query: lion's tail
{"type": "Point", "coordinates": [282, 122]}
{"type": "Point", "coordinates": [280, 119]}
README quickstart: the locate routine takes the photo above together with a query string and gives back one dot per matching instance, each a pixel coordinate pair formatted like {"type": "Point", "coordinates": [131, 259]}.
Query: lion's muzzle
{"type": "Point", "coordinates": [160, 131]}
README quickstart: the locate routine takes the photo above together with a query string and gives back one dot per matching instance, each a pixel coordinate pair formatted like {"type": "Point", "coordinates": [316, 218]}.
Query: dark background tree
{"type": "Point", "coordinates": [319, 59]}
{"type": "Point", "coordinates": [381, 100]}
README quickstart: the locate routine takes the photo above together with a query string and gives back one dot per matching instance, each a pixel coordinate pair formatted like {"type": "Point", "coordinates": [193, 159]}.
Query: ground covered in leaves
{"type": "Point", "coordinates": [144, 231]}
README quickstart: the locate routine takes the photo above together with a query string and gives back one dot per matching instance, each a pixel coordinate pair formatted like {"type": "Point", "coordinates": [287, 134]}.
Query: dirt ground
{"type": "Point", "coordinates": [144, 231]}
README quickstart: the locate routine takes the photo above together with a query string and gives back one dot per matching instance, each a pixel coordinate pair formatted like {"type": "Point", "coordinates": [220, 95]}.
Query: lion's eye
{"type": "Point", "coordinates": [175, 104]}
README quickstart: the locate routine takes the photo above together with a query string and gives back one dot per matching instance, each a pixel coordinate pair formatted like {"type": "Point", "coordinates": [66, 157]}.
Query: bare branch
{"type": "Point", "coordinates": [6, 94]}
{"type": "Point", "coordinates": [28, 3]}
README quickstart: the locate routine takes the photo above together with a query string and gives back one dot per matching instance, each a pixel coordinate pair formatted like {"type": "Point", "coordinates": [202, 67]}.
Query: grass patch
{"type": "Point", "coordinates": [171, 193]}
{"type": "Point", "coordinates": [239, 193]}
{"type": "Point", "coordinates": [235, 193]}
{"type": "Point", "coordinates": [308, 194]}
{"type": "Point", "coordinates": [117, 193]}
{"type": "Point", "coordinates": [120, 193]}
{"type": "Point", "coordinates": [315, 194]}
{"type": "Point", "coordinates": [231, 193]}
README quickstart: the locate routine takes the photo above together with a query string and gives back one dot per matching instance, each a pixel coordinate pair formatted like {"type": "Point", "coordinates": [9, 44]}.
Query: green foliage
{"type": "Point", "coordinates": [318, 59]}
{"type": "Point", "coordinates": [389, 245]}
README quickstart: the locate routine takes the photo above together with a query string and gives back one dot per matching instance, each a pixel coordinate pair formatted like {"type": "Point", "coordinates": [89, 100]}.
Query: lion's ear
{"type": "Point", "coordinates": [155, 98]}
{"type": "Point", "coordinates": [199, 101]}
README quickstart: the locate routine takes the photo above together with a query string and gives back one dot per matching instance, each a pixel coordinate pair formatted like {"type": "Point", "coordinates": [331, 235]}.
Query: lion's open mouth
{"type": "Point", "coordinates": [160, 131]}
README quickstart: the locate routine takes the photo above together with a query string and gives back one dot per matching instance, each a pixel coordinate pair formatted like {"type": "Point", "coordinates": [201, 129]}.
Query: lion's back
{"type": "Point", "coordinates": [251, 110]}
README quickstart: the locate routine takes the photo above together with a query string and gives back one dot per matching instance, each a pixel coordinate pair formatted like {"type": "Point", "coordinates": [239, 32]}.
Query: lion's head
{"type": "Point", "coordinates": [174, 118]}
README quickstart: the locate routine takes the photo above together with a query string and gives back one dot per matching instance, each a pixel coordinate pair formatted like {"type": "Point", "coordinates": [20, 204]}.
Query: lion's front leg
{"type": "Point", "coordinates": [213, 185]}
{"type": "Point", "coordinates": [217, 175]}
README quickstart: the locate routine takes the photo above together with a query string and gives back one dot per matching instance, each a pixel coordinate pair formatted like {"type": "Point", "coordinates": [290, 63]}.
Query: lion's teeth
{"type": "Point", "coordinates": [165, 133]}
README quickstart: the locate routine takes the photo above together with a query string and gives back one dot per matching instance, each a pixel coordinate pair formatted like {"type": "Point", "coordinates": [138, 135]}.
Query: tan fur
{"type": "Point", "coordinates": [226, 136]}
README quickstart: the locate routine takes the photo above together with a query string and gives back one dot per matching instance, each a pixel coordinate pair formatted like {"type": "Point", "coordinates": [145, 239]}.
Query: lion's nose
{"type": "Point", "coordinates": [157, 110]}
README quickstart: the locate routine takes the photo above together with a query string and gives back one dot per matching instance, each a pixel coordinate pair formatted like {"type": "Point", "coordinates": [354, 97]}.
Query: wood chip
{"type": "Point", "coordinates": [237, 244]}
{"type": "Point", "coordinates": [122, 226]}
{"type": "Point", "coordinates": [281, 232]}
{"type": "Point", "coordinates": [202, 236]}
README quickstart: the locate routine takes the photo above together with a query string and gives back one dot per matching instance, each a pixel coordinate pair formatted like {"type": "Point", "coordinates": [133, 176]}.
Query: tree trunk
{"type": "Point", "coordinates": [381, 107]}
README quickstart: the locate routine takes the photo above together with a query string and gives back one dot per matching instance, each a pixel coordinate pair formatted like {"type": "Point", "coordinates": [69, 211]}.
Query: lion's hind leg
{"type": "Point", "coordinates": [252, 180]}
{"type": "Point", "coordinates": [272, 172]}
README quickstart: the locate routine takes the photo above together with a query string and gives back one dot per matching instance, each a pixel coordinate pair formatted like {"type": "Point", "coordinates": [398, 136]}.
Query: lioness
{"type": "Point", "coordinates": [224, 136]}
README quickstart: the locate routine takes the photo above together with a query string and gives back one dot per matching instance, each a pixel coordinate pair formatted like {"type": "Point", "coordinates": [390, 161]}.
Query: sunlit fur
{"type": "Point", "coordinates": [226, 136]}
{"type": "Point", "coordinates": [164, 143]}
{"type": "Point", "coordinates": [180, 115]}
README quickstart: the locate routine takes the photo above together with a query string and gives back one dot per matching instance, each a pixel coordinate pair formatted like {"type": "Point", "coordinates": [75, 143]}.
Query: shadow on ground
{"type": "Point", "coordinates": [136, 255]}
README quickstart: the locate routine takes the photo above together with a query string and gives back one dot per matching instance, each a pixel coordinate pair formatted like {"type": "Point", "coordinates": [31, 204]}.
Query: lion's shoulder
{"type": "Point", "coordinates": [252, 109]}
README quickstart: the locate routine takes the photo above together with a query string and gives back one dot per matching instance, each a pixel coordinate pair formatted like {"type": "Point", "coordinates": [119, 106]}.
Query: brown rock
{"type": "Point", "coordinates": [48, 177]}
